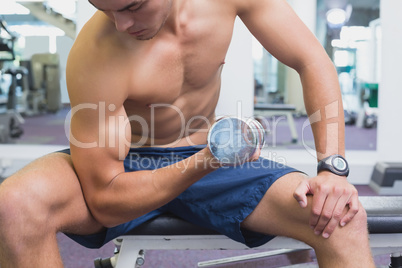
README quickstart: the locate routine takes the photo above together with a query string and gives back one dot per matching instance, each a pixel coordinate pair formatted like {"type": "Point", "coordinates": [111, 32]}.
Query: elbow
{"type": "Point", "coordinates": [104, 219]}
{"type": "Point", "coordinates": [102, 211]}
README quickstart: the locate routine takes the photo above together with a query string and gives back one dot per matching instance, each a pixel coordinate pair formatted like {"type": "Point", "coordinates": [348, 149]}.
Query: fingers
{"type": "Point", "coordinates": [339, 208]}
{"type": "Point", "coordinates": [300, 194]}
{"type": "Point", "coordinates": [256, 155]}
{"type": "Point", "coordinates": [318, 220]}
{"type": "Point", "coordinates": [334, 203]}
{"type": "Point", "coordinates": [330, 216]}
{"type": "Point", "coordinates": [353, 209]}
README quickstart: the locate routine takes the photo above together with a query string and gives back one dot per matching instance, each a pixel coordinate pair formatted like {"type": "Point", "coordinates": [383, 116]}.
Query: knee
{"type": "Point", "coordinates": [359, 221]}
{"type": "Point", "coordinates": [21, 209]}
{"type": "Point", "coordinates": [357, 228]}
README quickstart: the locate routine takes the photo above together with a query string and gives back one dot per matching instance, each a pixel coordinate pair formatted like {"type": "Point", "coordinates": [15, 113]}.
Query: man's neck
{"type": "Point", "coordinates": [177, 16]}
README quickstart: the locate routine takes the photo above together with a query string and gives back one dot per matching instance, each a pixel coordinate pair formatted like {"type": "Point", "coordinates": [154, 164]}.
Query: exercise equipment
{"type": "Point", "coordinates": [168, 232]}
{"type": "Point", "coordinates": [268, 110]}
{"type": "Point", "coordinates": [396, 261]}
{"type": "Point", "coordinates": [10, 126]}
{"type": "Point", "coordinates": [234, 140]}
{"type": "Point", "coordinates": [6, 43]}
{"type": "Point", "coordinates": [386, 178]}
{"type": "Point", "coordinates": [44, 93]}
{"type": "Point", "coordinates": [10, 118]}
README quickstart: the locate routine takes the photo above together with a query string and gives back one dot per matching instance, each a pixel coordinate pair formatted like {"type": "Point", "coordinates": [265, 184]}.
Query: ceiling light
{"type": "Point", "coordinates": [336, 17]}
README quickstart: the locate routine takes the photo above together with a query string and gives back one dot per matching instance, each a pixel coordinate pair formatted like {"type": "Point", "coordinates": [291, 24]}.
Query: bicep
{"type": "Point", "coordinates": [99, 141]}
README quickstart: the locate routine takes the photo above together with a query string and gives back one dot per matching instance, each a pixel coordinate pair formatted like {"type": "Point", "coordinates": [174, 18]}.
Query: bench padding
{"type": "Point", "coordinates": [169, 224]}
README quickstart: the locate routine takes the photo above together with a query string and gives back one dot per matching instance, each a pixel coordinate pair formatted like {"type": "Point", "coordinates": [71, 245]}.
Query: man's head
{"type": "Point", "coordinates": [142, 19]}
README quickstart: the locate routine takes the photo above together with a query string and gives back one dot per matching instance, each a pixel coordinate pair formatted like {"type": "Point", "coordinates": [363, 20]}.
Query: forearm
{"type": "Point", "coordinates": [132, 194]}
{"type": "Point", "coordinates": [323, 103]}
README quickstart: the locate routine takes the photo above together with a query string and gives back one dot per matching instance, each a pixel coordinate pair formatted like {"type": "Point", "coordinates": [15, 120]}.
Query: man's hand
{"type": "Point", "coordinates": [335, 201]}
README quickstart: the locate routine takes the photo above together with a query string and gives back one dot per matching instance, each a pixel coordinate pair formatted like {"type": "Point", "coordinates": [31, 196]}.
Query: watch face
{"type": "Point", "coordinates": [339, 163]}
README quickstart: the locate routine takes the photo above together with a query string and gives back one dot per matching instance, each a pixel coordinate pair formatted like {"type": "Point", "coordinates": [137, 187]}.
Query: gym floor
{"type": "Point", "coordinates": [49, 129]}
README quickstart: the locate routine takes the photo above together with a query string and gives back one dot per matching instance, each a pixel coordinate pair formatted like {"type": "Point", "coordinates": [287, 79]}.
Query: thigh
{"type": "Point", "coordinates": [49, 190]}
{"type": "Point", "coordinates": [279, 213]}
{"type": "Point", "coordinates": [223, 199]}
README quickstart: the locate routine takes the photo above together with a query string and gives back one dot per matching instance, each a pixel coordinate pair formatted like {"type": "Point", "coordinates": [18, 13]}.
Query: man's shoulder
{"type": "Point", "coordinates": [91, 65]}
{"type": "Point", "coordinates": [94, 33]}
{"type": "Point", "coordinates": [95, 43]}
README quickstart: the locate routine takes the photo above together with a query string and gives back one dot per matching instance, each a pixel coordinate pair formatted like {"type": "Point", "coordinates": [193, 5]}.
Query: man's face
{"type": "Point", "coordinates": [142, 19]}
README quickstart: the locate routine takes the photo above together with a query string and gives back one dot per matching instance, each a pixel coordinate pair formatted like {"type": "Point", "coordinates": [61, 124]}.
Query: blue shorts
{"type": "Point", "coordinates": [220, 201]}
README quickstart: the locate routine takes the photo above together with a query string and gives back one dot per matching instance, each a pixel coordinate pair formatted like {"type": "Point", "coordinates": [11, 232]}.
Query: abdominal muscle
{"type": "Point", "coordinates": [177, 136]}
{"type": "Point", "coordinates": [191, 140]}
{"type": "Point", "coordinates": [183, 123]}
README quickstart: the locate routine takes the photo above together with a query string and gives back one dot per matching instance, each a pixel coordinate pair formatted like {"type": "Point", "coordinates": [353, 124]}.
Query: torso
{"type": "Point", "coordinates": [173, 80]}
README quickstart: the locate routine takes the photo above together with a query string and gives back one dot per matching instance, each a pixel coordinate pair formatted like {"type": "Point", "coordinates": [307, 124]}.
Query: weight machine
{"type": "Point", "coordinates": [10, 119]}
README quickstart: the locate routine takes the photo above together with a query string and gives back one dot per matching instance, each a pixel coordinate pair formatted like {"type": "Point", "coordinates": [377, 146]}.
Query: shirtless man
{"type": "Point", "coordinates": [137, 71]}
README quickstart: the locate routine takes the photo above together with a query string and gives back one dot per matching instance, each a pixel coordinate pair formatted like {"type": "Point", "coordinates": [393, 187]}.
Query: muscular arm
{"type": "Point", "coordinates": [283, 34]}
{"type": "Point", "coordinates": [100, 139]}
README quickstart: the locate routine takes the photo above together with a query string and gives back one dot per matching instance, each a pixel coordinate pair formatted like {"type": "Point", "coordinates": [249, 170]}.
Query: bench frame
{"type": "Point", "coordinates": [133, 248]}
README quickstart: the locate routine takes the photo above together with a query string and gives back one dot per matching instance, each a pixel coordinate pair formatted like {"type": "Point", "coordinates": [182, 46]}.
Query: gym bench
{"type": "Point", "coordinates": [267, 110]}
{"type": "Point", "coordinates": [168, 232]}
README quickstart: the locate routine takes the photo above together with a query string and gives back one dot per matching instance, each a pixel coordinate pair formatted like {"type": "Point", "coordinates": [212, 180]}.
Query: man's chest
{"type": "Point", "coordinates": [171, 67]}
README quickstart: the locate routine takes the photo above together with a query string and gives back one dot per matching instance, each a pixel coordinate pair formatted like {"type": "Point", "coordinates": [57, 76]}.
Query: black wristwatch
{"type": "Point", "coordinates": [334, 163]}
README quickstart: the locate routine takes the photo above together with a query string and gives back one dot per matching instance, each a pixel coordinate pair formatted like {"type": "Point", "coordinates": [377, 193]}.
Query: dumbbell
{"type": "Point", "coordinates": [234, 140]}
